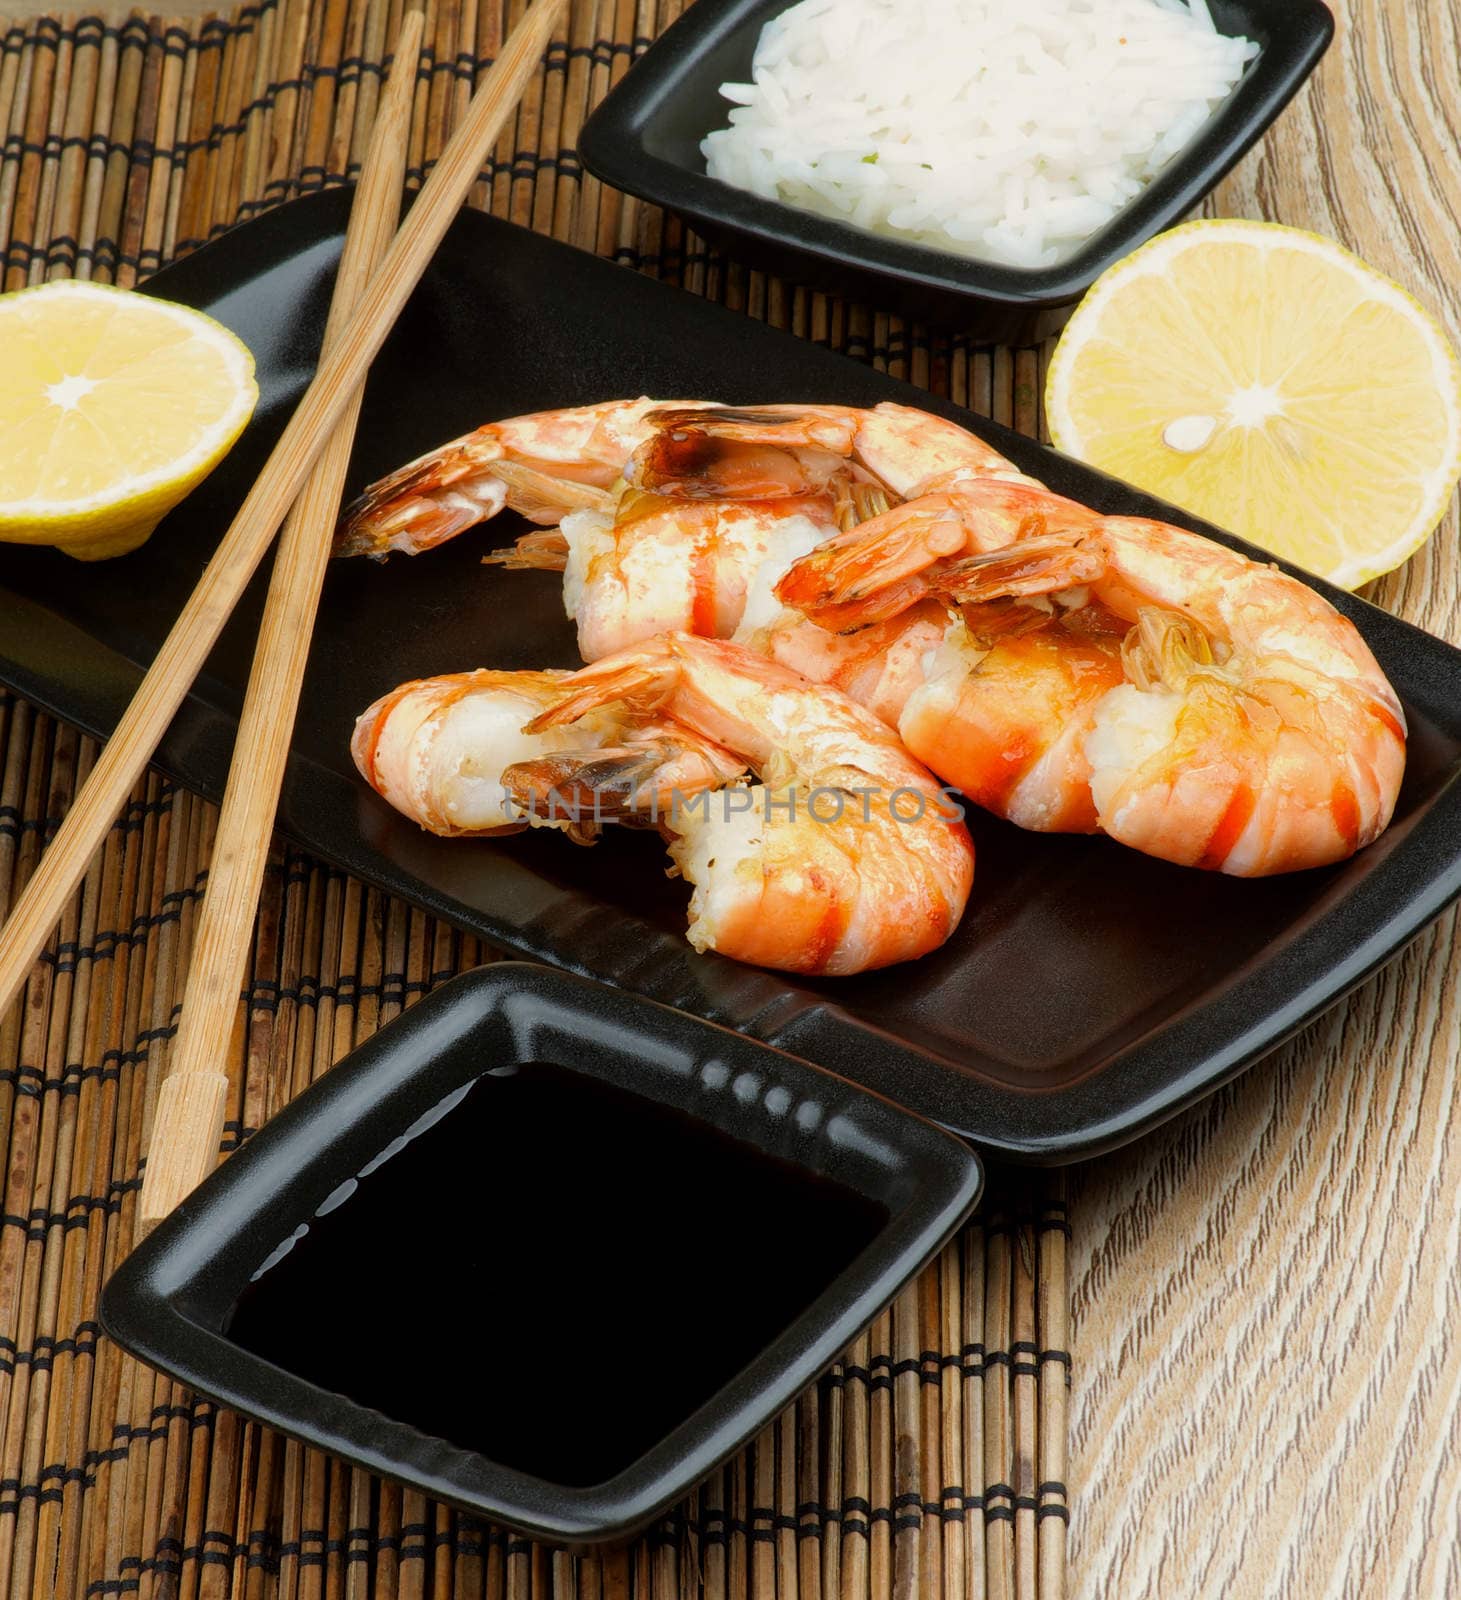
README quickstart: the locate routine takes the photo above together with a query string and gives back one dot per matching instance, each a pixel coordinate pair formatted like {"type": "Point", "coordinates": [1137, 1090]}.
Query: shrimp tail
{"type": "Point", "coordinates": [847, 579]}
{"type": "Point", "coordinates": [605, 781]}
{"type": "Point", "coordinates": [989, 621]}
{"type": "Point", "coordinates": [860, 502]}
{"type": "Point", "coordinates": [424, 503]}
{"type": "Point", "coordinates": [639, 680]}
{"type": "Point", "coordinates": [884, 605]}
{"type": "Point", "coordinates": [560, 788]}
{"type": "Point", "coordinates": [1044, 564]}
{"type": "Point", "coordinates": [382, 520]}
{"type": "Point", "coordinates": [541, 497]}
{"type": "Point", "coordinates": [862, 575]}
{"type": "Point", "coordinates": [433, 499]}
{"type": "Point", "coordinates": [543, 551]}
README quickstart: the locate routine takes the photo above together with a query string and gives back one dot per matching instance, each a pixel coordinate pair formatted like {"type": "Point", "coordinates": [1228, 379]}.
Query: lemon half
{"type": "Point", "coordinates": [1268, 380]}
{"type": "Point", "coordinates": [113, 406]}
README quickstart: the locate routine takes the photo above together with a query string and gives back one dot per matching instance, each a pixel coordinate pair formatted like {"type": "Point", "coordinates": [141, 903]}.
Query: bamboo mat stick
{"type": "Point", "coordinates": [187, 646]}
{"type": "Point", "coordinates": [879, 1491]}
{"type": "Point", "coordinates": [907, 1497]}
{"type": "Point", "coordinates": [1024, 1369]}
{"type": "Point", "coordinates": [1053, 1319]}
{"type": "Point", "coordinates": [999, 1543]}
{"type": "Point", "coordinates": [950, 1419]}
{"type": "Point", "coordinates": [190, 1110]}
{"type": "Point", "coordinates": [93, 180]}
{"type": "Point", "coordinates": [932, 1478]}
{"type": "Point", "coordinates": [974, 1297]}
{"type": "Point", "coordinates": [855, 1484]}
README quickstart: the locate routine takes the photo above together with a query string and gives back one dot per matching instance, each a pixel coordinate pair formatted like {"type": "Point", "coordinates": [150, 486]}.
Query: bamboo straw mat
{"type": "Point", "coordinates": [930, 1462]}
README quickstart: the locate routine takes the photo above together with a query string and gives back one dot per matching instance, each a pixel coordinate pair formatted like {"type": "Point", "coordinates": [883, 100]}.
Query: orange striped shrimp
{"type": "Point", "coordinates": [845, 856]}
{"type": "Point", "coordinates": [681, 552]}
{"type": "Point", "coordinates": [1250, 731]}
{"type": "Point", "coordinates": [436, 749]}
{"type": "Point", "coordinates": [553, 464]}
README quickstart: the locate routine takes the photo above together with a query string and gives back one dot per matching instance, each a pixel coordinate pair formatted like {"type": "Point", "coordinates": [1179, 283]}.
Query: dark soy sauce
{"type": "Point", "coordinates": [555, 1274]}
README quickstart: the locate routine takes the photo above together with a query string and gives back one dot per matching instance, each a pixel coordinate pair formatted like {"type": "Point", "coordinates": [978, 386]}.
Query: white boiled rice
{"type": "Point", "coordinates": [1009, 130]}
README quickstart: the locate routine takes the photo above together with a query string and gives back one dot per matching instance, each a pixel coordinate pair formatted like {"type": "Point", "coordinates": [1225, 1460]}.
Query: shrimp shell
{"type": "Point", "coordinates": [1253, 731]}
{"type": "Point", "coordinates": [781, 877]}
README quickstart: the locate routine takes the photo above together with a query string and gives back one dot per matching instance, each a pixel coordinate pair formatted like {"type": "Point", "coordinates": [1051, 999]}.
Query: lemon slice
{"type": "Point", "coordinates": [113, 406]}
{"type": "Point", "coordinates": [1268, 380]}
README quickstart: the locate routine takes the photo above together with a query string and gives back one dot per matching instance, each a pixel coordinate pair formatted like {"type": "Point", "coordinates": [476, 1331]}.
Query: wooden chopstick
{"type": "Point", "coordinates": [338, 377]}
{"type": "Point", "coordinates": [190, 1108]}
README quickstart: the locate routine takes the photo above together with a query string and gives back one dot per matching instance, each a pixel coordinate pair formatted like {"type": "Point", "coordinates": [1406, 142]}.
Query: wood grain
{"type": "Point", "coordinates": [1267, 1396]}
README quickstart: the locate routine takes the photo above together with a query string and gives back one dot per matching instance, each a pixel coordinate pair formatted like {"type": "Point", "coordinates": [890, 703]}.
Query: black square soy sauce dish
{"type": "Point", "coordinates": [645, 138]}
{"type": "Point", "coordinates": [490, 1254]}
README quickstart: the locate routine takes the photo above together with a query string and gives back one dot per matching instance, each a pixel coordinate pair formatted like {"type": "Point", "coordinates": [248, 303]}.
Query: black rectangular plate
{"type": "Point", "coordinates": [1090, 992]}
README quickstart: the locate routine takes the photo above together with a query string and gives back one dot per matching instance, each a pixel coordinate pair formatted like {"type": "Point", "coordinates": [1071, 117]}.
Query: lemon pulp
{"type": "Point", "coordinates": [1268, 380]}
{"type": "Point", "coordinates": [113, 405]}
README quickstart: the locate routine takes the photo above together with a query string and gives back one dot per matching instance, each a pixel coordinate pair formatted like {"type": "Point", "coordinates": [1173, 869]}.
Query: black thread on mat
{"type": "Point", "coordinates": [77, 1212]}
{"type": "Point", "coordinates": [47, 35]}
{"type": "Point", "coordinates": [15, 826]}
{"type": "Point", "coordinates": [68, 955]}
{"type": "Point", "coordinates": [104, 253]}
{"type": "Point", "coordinates": [42, 1356]}
{"type": "Point", "coordinates": [524, 165]}
{"type": "Point", "coordinates": [56, 144]}
{"type": "Point", "coordinates": [1026, 1368]}
{"type": "Point", "coordinates": [14, 822]}
{"type": "Point", "coordinates": [234, 1132]}
{"type": "Point", "coordinates": [413, 1541]}
{"type": "Point", "coordinates": [1051, 1486]}
{"type": "Point", "coordinates": [881, 1371]}
{"type": "Point", "coordinates": [854, 1515]}
{"type": "Point", "coordinates": [263, 994]}
{"type": "Point", "coordinates": [13, 1493]}
{"type": "Point", "coordinates": [35, 1082]}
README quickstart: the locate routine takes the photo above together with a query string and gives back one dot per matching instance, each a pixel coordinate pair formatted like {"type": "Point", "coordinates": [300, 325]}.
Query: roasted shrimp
{"type": "Point", "coordinates": [1251, 731]}
{"type": "Point", "coordinates": [846, 855]}
{"type": "Point", "coordinates": [437, 748]}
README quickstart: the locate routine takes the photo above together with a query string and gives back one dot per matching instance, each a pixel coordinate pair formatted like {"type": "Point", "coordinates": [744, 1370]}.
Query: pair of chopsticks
{"type": "Point", "coordinates": [368, 298]}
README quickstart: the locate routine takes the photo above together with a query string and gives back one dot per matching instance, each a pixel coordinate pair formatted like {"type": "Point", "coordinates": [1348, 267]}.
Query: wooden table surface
{"type": "Point", "coordinates": [1267, 1396]}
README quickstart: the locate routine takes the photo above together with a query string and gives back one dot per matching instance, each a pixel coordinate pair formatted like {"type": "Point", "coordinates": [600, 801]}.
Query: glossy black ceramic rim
{"type": "Point", "coordinates": [168, 1301]}
{"type": "Point", "coordinates": [1294, 35]}
{"type": "Point", "coordinates": [57, 664]}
